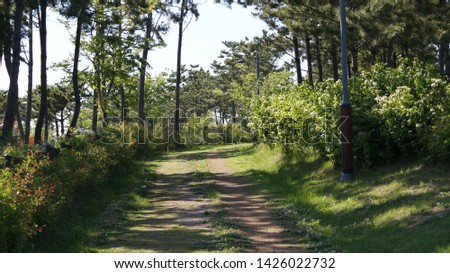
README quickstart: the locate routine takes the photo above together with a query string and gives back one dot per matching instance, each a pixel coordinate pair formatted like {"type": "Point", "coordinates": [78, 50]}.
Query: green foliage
{"type": "Point", "coordinates": [35, 192]}
{"type": "Point", "coordinates": [439, 138]}
{"type": "Point", "coordinates": [396, 112]}
{"type": "Point", "coordinates": [408, 101]}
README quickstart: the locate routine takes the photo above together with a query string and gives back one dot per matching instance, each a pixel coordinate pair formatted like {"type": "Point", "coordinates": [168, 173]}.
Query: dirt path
{"type": "Point", "coordinates": [172, 218]}
{"type": "Point", "coordinates": [175, 214]}
{"type": "Point", "coordinates": [246, 207]}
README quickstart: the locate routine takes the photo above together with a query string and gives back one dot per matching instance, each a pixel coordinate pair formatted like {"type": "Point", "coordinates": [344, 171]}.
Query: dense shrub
{"type": "Point", "coordinates": [35, 191]}
{"type": "Point", "coordinates": [399, 111]}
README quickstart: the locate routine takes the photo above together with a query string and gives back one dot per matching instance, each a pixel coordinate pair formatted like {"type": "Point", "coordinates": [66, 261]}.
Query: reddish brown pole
{"type": "Point", "coordinates": [346, 108]}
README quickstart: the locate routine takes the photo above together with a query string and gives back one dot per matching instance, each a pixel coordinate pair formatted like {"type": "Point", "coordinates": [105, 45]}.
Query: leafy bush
{"type": "Point", "coordinates": [399, 111]}
{"type": "Point", "coordinates": [439, 139]}
{"type": "Point", "coordinates": [36, 191]}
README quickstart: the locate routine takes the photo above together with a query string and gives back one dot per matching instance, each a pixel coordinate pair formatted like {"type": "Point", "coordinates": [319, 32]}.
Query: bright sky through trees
{"type": "Point", "coordinates": [201, 45]}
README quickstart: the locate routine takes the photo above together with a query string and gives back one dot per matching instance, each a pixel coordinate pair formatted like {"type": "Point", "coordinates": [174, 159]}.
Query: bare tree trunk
{"type": "Point", "coordinates": [447, 61]}
{"type": "Point", "coordinates": [215, 116]}
{"type": "Point", "coordinates": [94, 125]}
{"type": "Point", "coordinates": [148, 29]}
{"type": "Point", "coordinates": [373, 54]}
{"type": "Point", "coordinates": [178, 83]}
{"type": "Point", "coordinates": [56, 127]}
{"type": "Point", "coordinates": [354, 53]}
{"type": "Point", "coordinates": [298, 67]}
{"type": "Point", "coordinates": [394, 59]}
{"type": "Point", "coordinates": [43, 39]}
{"type": "Point", "coordinates": [30, 77]}
{"type": "Point", "coordinates": [390, 52]}
{"type": "Point", "coordinates": [309, 59]}
{"type": "Point", "coordinates": [442, 57]}
{"type": "Point", "coordinates": [334, 60]}
{"type": "Point", "coordinates": [62, 122]}
{"type": "Point", "coordinates": [97, 89]}
{"type": "Point", "coordinates": [233, 111]}
{"type": "Point", "coordinates": [13, 93]}
{"type": "Point", "coordinates": [122, 103]}
{"type": "Point", "coordinates": [444, 54]}
{"type": "Point", "coordinates": [19, 124]}
{"type": "Point", "coordinates": [319, 59]}
{"type": "Point", "coordinates": [349, 67]}
{"type": "Point", "coordinates": [76, 87]}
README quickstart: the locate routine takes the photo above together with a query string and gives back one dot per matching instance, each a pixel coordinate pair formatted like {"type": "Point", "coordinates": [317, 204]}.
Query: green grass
{"type": "Point", "coordinates": [402, 207]}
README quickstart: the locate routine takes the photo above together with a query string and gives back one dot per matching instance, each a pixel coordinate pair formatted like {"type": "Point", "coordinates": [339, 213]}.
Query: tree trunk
{"type": "Point", "coordinates": [94, 125]}
{"type": "Point", "coordinates": [148, 29]}
{"type": "Point", "coordinates": [233, 111]}
{"type": "Point", "coordinates": [30, 77]}
{"type": "Point", "coordinates": [56, 127]}
{"type": "Point", "coordinates": [19, 125]}
{"type": "Point", "coordinates": [319, 59]}
{"type": "Point", "coordinates": [13, 93]}
{"type": "Point", "coordinates": [447, 60]}
{"type": "Point", "coordinates": [215, 115]}
{"type": "Point", "coordinates": [349, 67]}
{"type": "Point", "coordinates": [309, 59]}
{"type": "Point", "coordinates": [97, 89]}
{"type": "Point", "coordinates": [354, 54]}
{"type": "Point", "coordinates": [62, 122]}
{"type": "Point", "coordinates": [104, 119]}
{"type": "Point", "coordinates": [43, 38]}
{"type": "Point", "coordinates": [178, 83]}
{"type": "Point", "coordinates": [122, 103]}
{"type": "Point", "coordinates": [298, 67]}
{"type": "Point", "coordinates": [373, 54]}
{"type": "Point", "coordinates": [76, 87]}
{"type": "Point", "coordinates": [444, 54]}
{"type": "Point", "coordinates": [334, 60]}
{"type": "Point", "coordinates": [394, 59]}
{"type": "Point", "coordinates": [390, 52]}
{"type": "Point", "coordinates": [442, 57]}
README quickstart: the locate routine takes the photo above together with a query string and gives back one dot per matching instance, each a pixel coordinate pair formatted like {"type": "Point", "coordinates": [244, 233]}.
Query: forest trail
{"type": "Point", "coordinates": [172, 217]}
{"type": "Point", "coordinates": [245, 206]}
{"type": "Point", "coordinates": [177, 216]}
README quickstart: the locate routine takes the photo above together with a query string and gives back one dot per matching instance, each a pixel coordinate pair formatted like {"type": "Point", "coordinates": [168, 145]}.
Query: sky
{"type": "Point", "coordinates": [202, 42]}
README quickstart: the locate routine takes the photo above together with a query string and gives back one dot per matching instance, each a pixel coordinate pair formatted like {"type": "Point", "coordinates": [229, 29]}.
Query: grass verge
{"type": "Point", "coordinates": [402, 207]}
